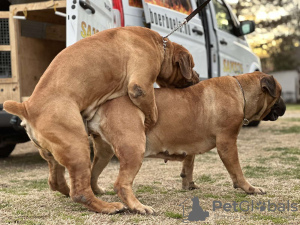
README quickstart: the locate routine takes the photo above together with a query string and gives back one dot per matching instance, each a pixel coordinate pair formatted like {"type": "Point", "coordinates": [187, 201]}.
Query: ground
{"type": "Point", "coordinates": [269, 155]}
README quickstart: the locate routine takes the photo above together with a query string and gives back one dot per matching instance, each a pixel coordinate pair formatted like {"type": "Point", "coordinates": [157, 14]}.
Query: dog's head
{"type": "Point", "coordinates": [275, 104]}
{"type": "Point", "coordinates": [177, 70]}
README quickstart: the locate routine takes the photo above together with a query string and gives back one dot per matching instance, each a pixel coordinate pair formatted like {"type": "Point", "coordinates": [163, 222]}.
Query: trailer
{"type": "Point", "coordinates": [31, 36]}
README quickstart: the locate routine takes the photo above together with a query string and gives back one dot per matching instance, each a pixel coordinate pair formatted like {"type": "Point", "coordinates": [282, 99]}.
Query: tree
{"type": "Point", "coordinates": [277, 35]}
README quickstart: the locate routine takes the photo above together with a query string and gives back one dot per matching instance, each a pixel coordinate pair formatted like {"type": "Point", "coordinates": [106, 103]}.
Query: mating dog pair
{"type": "Point", "coordinates": [191, 121]}
{"type": "Point", "coordinates": [128, 61]}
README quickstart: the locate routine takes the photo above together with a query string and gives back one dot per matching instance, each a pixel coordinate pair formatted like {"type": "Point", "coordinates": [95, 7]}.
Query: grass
{"type": "Point", "coordinates": [287, 130]}
{"type": "Point", "coordinates": [206, 179]}
{"type": "Point", "coordinates": [274, 219]}
{"type": "Point", "coordinates": [239, 197]}
{"type": "Point", "coordinates": [110, 193]}
{"type": "Point", "coordinates": [37, 184]}
{"type": "Point", "coordinates": [145, 189]}
{"type": "Point", "coordinates": [293, 107]}
{"type": "Point", "coordinates": [290, 172]}
{"type": "Point", "coordinates": [269, 160]}
{"type": "Point", "coordinates": [285, 150]}
{"type": "Point", "coordinates": [173, 215]}
{"type": "Point", "coordinates": [256, 171]}
{"type": "Point", "coordinates": [209, 195]}
{"type": "Point", "coordinates": [292, 119]}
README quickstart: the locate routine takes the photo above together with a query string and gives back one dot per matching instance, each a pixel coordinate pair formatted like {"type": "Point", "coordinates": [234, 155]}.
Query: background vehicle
{"type": "Point", "coordinates": [33, 34]}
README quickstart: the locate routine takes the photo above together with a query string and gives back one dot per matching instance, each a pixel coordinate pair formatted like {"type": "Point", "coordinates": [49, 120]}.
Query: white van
{"type": "Point", "coordinates": [215, 37]}
{"type": "Point", "coordinates": [33, 34]}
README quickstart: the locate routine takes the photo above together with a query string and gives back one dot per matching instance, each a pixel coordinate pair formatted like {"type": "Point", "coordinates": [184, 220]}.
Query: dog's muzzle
{"type": "Point", "coordinates": [195, 79]}
{"type": "Point", "coordinates": [277, 110]}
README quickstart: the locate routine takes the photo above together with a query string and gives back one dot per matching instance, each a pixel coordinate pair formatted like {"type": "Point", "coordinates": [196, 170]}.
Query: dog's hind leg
{"type": "Point", "coordinates": [187, 173]}
{"type": "Point", "coordinates": [125, 133]}
{"type": "Point", "coordinates": [72, 151]}
{"type": "Point", "coordinates": [56, 180]}
{"type": "Point", "coordinates": [102, 156]}
{"type": "Point", "coordinates": [143, 97]}
{"type": "Point", "coordinates": [76, 159]}
{"type": "Point", "coordinates": [130, 156]}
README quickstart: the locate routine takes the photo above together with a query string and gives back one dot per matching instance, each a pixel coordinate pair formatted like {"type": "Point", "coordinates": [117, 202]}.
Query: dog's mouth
{"type": "Point", "coordinates": [277, 110]}
{"type": "Point", "coordinates": [272, 116]}
{"type": "Point", "coordinates": [194, 80]}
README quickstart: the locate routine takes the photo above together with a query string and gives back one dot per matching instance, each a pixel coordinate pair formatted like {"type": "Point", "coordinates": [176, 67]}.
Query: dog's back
{"type": "Point", "coordinates": [179, 127]}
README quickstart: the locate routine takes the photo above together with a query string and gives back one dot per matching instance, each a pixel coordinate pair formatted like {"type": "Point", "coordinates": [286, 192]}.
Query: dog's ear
{"type": "Point", "coordinates": [185, 62]}
{"type": "Point", "coordinates": [268, 84]}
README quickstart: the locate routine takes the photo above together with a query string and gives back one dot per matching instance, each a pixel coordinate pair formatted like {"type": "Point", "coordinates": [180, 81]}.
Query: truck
{"type": "Point", "coordinates": [32, 34]}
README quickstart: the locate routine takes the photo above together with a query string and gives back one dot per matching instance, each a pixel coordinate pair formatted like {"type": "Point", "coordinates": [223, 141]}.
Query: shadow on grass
{"type": "Point", "coordinates": [17, 163]}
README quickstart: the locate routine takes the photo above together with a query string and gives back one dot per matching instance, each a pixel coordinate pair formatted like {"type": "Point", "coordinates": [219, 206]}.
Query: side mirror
{"type": "Point", "coordinates": [246, 27]}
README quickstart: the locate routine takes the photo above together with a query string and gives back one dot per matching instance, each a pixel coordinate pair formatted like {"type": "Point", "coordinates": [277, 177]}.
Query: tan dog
{"type": "Point", "coordinates": [107, 65]}
{"type": "Point", "coordinates": [191, 121]}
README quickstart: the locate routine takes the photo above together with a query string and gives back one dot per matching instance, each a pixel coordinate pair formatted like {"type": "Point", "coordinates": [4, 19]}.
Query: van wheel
{"type": "Point", "coordinates": [5, 150]}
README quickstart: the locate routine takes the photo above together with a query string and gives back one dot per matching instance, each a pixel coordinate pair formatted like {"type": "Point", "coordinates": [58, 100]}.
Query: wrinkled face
{"type": "Point", "coordinates": [179, 73]}
{"type": "Point", "coordinates": [276, 106]}
{"type": "Point", "coordinates": [180, 81]}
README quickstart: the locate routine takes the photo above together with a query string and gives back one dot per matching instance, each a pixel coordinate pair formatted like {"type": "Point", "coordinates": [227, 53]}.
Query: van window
{"type": "Point", "coordinates": [223, 17]}
{"type": "Point", "coordinates": [183, 6]}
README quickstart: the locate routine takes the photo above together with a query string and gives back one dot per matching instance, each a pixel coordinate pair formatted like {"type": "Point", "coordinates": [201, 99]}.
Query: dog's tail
{"type": "Point", "coordinates": [15, 108]}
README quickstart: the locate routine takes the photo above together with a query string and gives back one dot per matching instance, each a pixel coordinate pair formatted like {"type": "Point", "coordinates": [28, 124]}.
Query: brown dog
{"type": "Point", "coordinates": [104, 66]}
{"type": "Point", "coordinates": [191, 121]}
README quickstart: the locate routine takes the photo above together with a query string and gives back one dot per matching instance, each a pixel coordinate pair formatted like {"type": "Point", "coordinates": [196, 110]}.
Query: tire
{"type": "Point", "coordinates": [5, 150]}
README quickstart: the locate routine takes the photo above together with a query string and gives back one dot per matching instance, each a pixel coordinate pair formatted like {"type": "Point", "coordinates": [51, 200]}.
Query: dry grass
{"type": "Point", "coordinates": [269, 156]}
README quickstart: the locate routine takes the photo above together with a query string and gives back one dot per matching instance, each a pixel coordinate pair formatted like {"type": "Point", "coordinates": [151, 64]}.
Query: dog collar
{"type": "Point", "coordinates": [245, 121]}
{"type": "Point", "coordinates": [165, 40]}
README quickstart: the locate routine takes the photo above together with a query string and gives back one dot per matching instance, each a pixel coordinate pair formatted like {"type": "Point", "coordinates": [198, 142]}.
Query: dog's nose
{"type": "Point", "coordinates": [281, 107]}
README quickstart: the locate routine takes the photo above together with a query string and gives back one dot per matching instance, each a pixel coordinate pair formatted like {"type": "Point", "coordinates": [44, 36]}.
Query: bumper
{"type": "Point", "coordinates": [9, 121]}
{"type": "Point", "coordinates": [5, 118]}
{"type": "Point", "coordinates": [10, 129]}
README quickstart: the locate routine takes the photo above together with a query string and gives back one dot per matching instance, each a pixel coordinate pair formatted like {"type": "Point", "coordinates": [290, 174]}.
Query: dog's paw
{"type": "Point", "coordinates": [190, 186]}
{"type": "Point", "coordinates": [143, 209]}
{"type": "Point", "coordinates": [256, 190]}
{"type": "Point", "coordinates": [259, 190]}
{"type": "Point", "coordinates": [193, 186]}
{"type": "Point", "coordinates": [113, 208]}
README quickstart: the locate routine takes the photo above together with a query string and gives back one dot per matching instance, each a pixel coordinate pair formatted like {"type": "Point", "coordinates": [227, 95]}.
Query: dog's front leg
{"type": "Point", "coordinates": [187, 173]}
{"type": "Point", "coordinates": [142, 95]}
{"type": "Point", "coordinates": [227, 150]}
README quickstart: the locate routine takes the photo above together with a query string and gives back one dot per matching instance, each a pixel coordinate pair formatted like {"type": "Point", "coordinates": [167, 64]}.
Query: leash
{"type": "Point", "coordinates": [245, 121]}
{"type": "Point", "coordinates": [188, 18]}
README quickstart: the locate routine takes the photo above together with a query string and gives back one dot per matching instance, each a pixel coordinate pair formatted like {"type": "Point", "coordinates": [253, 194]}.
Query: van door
{"type": "Point", "coordinates": [163, 16]}
{"type": "Point", "coordinates": [231, 49]}
{"type": "Point", "coordinates": [85, 18]}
